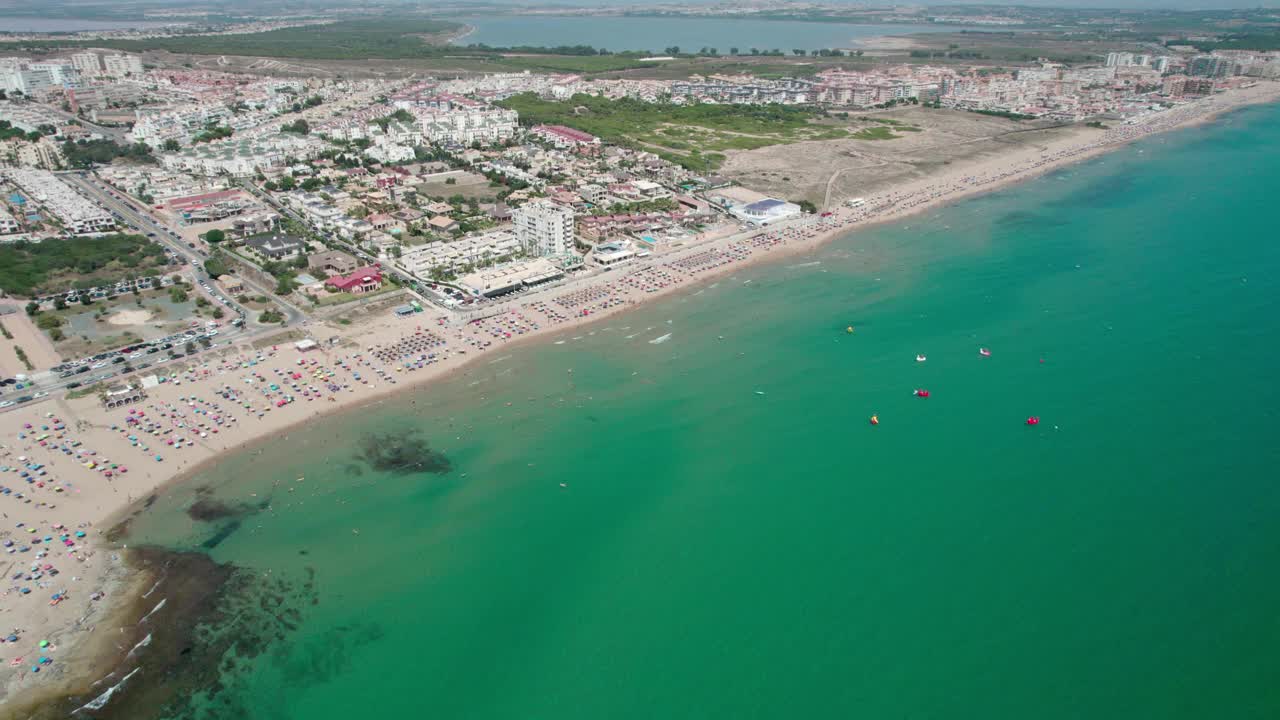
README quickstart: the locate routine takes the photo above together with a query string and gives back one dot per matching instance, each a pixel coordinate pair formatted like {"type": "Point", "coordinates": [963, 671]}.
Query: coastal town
{"type": "Point", "coordinates": [194, 259]}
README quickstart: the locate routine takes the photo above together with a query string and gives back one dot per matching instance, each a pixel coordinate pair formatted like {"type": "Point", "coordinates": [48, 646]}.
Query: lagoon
{"type": "Point", "coordinates": [67, 25]}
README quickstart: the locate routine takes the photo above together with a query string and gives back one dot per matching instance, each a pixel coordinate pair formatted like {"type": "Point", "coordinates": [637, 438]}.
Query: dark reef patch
{"type": "Point", "coordinates": [208, 508]}
{"type": "Point", "coordinates": [213, 621]}
{"type": "Point", "coordinates": [402, 452]}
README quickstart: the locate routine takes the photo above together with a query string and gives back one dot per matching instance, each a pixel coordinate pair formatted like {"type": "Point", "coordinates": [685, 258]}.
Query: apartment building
{"type": "Point", "coordinates": [8, 224]}
{"type": "Point", "coordinates": [544, 228]}
{"type": "Point", "coordinates": [76, 213]}
{"type": "Point", "coordinates": [466, 125]}
{"type": "Point", "coordinates": [122, 65]}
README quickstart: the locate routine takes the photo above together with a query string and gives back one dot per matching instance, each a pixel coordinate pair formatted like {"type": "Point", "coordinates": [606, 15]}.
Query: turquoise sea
{"type": "Point", "coordinates": [647, 536]}
{"type": "Point", "coordinates": [619, 33]}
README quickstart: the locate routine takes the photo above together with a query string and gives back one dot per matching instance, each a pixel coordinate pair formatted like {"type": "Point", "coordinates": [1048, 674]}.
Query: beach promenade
{"type": "Point", "coordinates": [70, 469]}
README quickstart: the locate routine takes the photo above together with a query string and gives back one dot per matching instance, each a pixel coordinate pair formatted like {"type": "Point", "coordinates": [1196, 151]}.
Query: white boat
{"type": "Point", "coordinates": [921, 358]}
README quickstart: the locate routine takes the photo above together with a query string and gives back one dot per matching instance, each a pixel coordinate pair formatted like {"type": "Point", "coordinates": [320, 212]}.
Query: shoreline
{"type": "Point", "coordinates": [683, 269]}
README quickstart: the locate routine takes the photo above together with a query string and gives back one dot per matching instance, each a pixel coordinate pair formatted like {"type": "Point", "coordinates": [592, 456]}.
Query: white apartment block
{"type": "Point", "coordinates": [179, 124]}
{"type": "Point", "coordinates": [544, 228]}
{"type": "Point", "coordinates": [122, 65]}
{"type": "Point", "coordinates": [32, 83]}
{"type": "Point", "coordinates": [241, 157]}
{"type": "Point", "coordinates": [8, 225]}
{"type": "Point", "coordinates": [60, 73]}
{"type": "Point", "coordinates": [89, 64]}
{"type": "Point", "coordinates": [76, 213]}
{"type": "Point", "coordinates": [486, 125]}
{"type": "Point", "coordinates": [457, 256]}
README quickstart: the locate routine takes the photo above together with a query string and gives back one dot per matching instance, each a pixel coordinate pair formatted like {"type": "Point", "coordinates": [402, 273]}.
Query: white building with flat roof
{"type": "Point", "coordinates": [77, 213]}
{"type": "Point", "coordinates": [544, 228]}
{"type": "Point", "coordinates": [122, 65]}
{"type": "Point", "coordinates": [457, 256]}
{"type": "Point", "coordinates": [764, 212]}
{"type": "Point", "coordinates": [8, 224]}
{"type": "Point", "coordinates": [88, 63]}
{"type": "Point", "coordinates": [464, 126]}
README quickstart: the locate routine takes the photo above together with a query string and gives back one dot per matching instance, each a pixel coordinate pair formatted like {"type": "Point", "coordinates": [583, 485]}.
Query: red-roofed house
{"type": "Point", "coordinates": [362, 280]}
{"type": "Point", "coordinates": [564, 137]}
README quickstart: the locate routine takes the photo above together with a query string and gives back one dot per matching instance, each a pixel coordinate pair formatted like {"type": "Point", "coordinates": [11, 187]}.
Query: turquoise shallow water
{"type": "Point", "coordinates": [719, 553]}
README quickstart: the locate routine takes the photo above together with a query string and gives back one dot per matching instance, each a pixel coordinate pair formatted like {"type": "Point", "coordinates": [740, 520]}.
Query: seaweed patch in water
{"type": "Point", "coordinates": [223, 533]}
{"type": "Point", "coordinates": [207, 508]}
{"type": "Point", "coordinates": [402, 452]}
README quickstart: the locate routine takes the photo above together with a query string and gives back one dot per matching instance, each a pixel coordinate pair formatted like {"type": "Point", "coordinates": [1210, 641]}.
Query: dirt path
{"type": "Point", "coordinates": [32, 340]}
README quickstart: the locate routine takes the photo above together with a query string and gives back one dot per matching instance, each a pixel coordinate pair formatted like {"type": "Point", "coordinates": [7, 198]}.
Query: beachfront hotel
{"type": "Point", "coordinates": [544, 228]}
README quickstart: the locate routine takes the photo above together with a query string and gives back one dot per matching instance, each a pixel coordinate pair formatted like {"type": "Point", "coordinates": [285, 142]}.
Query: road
{"type": "Point", "coordinates": [138, 216]}
{"type": "Point", "coordinates": [119, 135]}
{"type": "Point", "coordinates": [45, 382]}
{"type": "Point", "coordinates": [409, 281]}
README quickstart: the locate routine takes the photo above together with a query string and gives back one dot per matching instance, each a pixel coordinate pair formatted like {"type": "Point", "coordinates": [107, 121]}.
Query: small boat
{"type": "Point", "coordinates": [921, 358]}
{"type": "Point", "coordinates": [875, 419]}
{"type": "Point", "coordinates": [1033, 420]}
{"type": "Point", "coordinates": [921, 393]}
{"type": "Point", "coordinates": [984, 352]}
{"type": "Point", "coordinates": [759, 392]}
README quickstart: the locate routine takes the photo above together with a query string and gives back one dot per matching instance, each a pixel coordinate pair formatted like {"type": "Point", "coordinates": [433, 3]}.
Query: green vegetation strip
{"type": "Point", "coordinates": [57, 265]}
{"type": "Point", "coordinates": [691, 135]}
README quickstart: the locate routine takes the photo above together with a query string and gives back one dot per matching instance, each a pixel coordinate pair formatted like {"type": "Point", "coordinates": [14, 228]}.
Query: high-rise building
{"type": "Point", "coordinates": [1161, 64]}
{"type": "Point", "coordinates": [1119, 59]}
{"type": "Point", "coordinates": [29, 82]}
{"type": "Point", "coordinates": [1211, 66]}
{"type": "Point", "coordinates": [544, 228]}
{"type": "Point", "coordinates": [122, 65]}
{"type": "Point", "coordinates": [60, 73]}
{"type": "Point", "coordinates": [87, 63]}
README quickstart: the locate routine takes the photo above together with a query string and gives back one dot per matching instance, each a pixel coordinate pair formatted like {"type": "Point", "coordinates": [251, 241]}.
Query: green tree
{"type": "Point", "coordinates": [33, 308]}
{"type": "Point", "coordinates": [214, 236]}
{"type": "Point", "coordinates": [216, 265]}
{"type": "Point", "coordinates": [171, 145]}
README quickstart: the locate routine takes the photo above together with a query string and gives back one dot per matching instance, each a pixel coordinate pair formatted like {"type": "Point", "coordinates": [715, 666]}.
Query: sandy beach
{"type": "Point", "coordinates": [70, 469]}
